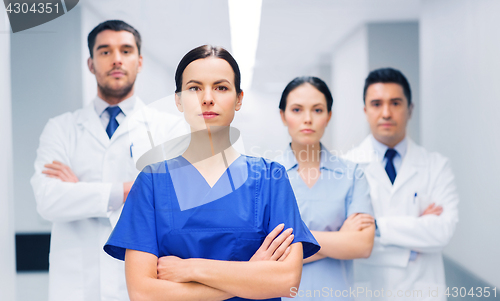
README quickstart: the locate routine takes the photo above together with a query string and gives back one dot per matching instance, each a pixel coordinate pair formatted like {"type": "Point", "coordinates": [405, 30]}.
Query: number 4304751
{"type": "Point", "coordinates": [25, 8]}
{"type": "Point", "coordinates": [477, 292]}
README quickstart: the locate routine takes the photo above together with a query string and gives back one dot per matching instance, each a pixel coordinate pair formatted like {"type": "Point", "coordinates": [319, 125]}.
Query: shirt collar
{"type": "Point", "coordinates": [127, 105]}
{"type": "Point", "coordinates": [326, 159]}
{"type": "Point", "coordinates": [381, 148]}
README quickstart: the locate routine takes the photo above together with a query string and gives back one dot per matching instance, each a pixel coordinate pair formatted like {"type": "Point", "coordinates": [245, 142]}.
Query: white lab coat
{"type": "Point", "coordinates": [79, 268]}
{"type": "Point", "coordinates": [402, 229]}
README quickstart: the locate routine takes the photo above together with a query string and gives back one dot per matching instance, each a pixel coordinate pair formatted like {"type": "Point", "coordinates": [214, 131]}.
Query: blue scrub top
{"type": "Point", "coordinates": [171, 210]}
{"type": "Point", "coordinates": [341, 190]}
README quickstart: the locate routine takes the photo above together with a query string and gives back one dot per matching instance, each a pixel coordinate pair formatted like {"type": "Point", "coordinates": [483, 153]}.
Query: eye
{"type": "Point", "coordinates": [126, 51]}
{"type": "Point", "coordinates": [319, 110]}
{"type": "Point", "coordinates": [222, 88]}
{"type": "Point", "coordinates": [194, 88]}
{"type": "Point", "coordinates": [375, 104]}
{"type": "Point", "coordinates": [295, 110]}
{"type": "Point", "coordinates": [396, 103]}
{"type": "Point", "coordinates": [105, 52]}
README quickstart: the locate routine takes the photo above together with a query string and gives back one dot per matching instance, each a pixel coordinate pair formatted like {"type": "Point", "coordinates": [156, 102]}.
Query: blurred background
{"type": "Point", "coordinates": [448, 49]}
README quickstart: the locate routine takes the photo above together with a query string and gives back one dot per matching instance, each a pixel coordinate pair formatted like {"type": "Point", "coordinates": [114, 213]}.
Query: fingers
{"type": "Point", "coordinates": [357, 222]}
{"type": "Point", "coordinates": [436, 211]}
{"type": "Point", "coordinates": [57, 174]}
{"type": "Point", "coordinates": [271, 236]}
{"type": "Point", "coordinates": [278, 241]}
{"type": "Point", "coordinates": [433, 209]}
{"type": "Point", "coordinates": [60, 171]}
{"type": "Point", "coordinates": [280, 251]}
{"type": "Point", "coordinates": [285, 255]}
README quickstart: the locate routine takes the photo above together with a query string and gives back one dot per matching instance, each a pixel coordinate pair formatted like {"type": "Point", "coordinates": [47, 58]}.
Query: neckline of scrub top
{"type": "Point", "coordinates": [327, 161]}
{"type": "Point", "coordinates": [191, 188]}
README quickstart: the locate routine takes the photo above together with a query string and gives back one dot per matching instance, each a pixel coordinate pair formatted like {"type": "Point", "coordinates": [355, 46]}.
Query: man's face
{"type": "Point", "coordinates": [387, 111]}
{"type": "Point", "coordinates": [116, 63]}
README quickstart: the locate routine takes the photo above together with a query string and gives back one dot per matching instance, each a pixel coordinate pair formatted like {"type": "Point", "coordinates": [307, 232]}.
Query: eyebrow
{"type": "Point", "coordinates": [220, 81]}
{"type": "Point", "coordinates": [102, 46]}
{"type": "Point", "coordinates": [315, 105]}
{"type": "Point", "coordinates": [215, 83]}
{"type": "Point", "coordinates": [107, 46]}
{"type": "Point", "coordinates": [194, 82]}
{"type": "Point", "coordinates": [392, 99]}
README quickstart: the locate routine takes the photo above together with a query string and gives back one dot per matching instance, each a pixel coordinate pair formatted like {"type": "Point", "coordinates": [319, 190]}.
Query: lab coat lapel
{"type": "Point", "coordinates": [91, 122]}
{"type": "Point", "coordinates": [375, 170]}
{"type": "Point", "coordinates": [409, 166]}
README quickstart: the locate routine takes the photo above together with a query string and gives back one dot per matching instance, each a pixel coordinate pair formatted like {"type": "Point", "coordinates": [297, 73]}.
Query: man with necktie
{"type": "Point", "coordinates": [414, 199]}
{"type": "Point", "coordinates": [84, 171]}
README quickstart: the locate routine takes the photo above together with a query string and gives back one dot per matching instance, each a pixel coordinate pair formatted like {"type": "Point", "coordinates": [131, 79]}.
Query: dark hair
{"type": "Point", "coordinates": [388, 75]}
{"type": "Point", "coordinates": [116, 25]}
{"type": "Point", "coordinates": [315, 82]}
{"type": "Point", "coordinates": [202, 52]}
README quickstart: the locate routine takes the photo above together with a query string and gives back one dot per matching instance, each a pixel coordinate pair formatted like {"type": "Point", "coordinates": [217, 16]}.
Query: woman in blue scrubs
{"type": "Point", "coordinates": [332, 194]}
{"type": "Point", "coordinates": [190, 225]}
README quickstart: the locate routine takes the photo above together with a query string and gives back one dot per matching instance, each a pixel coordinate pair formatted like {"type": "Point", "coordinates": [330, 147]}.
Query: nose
{"type": "Point", "coordinates": [117, 59]}
{"type": "Point", "coordinates": [207, 98]}
{"type": "Point", "coordinates": [307, 117]}
{"type": "Point", "coordinates": [386, 111]}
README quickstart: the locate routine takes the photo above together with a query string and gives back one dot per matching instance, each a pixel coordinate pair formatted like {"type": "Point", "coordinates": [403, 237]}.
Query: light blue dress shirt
{"type": "Point", "coordinates": [341, 190]}
{"type": "Point", "coordinates": [381, 148]}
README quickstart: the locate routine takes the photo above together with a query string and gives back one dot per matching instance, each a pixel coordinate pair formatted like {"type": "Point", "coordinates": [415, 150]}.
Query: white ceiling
{"type": "Point", "coordinates": [296, 36]}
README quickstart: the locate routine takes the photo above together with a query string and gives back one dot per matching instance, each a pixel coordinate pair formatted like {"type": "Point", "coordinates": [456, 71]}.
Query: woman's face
{"type": "Point", "coordinates": [306, 114]}
{"type": "Point", "coordinates": [208, 96]}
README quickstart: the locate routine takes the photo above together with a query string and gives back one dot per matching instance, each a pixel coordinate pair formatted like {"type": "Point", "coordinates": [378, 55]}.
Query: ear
{"type": "Point", "coordinates": [410, 110]}
{"type": "Point", "coordinates": [239, 101]}
{"type": "Point", "coordinates": [90, 64]}
{"type": "Point", "coordinates": [139, 67]}
{"type": "Point", "coordinates": [178, 102]}
{"type": "Point", "coordinates": [364, 108]}
{"type": "Point", "coordinates": [283, 119]}
{"type": "Point", "coordinates": [329, 116]}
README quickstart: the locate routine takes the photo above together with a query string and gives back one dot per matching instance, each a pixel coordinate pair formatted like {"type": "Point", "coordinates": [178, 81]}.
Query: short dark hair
{"type": "Point", "coordinates": [203, 52]}
{"type": "Point", "coordinates": [388, 75]}
{"type": "Point", "coordinates": [116, 25]}
{"type": "Point", "coordinates": [315, 82]}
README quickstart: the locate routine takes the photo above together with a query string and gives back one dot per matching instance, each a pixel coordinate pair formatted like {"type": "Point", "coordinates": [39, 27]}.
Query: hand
{"type": "Point", "coordinates": [275, 248]}
{"type": "Point", "coordinates": [357, 222]}
{"type": "Point", "coordinates": [433, 209]}
{"type": "Point", "coordinates": [60, 171]}
{"type": "Point", "coordinates": [173, 268]}
{"type": "Point", "coordinates": [126, 189]}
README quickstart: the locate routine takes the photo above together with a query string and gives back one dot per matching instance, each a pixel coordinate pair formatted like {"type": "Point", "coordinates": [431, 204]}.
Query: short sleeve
{"type": "Point", "coordinates": [284, 209]}
{"type": "Point", "coordinates": [358, 199]}
{"type": "Point", "coordinates": [136, 228]}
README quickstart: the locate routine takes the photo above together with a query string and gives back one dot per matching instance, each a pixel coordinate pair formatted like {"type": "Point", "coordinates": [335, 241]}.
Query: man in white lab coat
{"type": "Point", "coordinates": [84, 170]}
{"type": "Point", "coordinates": [414, 199]}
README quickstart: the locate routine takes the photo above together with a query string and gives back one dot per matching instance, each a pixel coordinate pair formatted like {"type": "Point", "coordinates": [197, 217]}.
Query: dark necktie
{"type": "Point", "coordinates": [113, 124]}
{"type": "Point", "coordinates": [389, 167]}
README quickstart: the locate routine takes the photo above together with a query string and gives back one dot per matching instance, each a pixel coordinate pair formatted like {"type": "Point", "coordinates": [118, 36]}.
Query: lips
{"type": "Point", "coordinates": [307, 131]}
{"type": "Point", "coordinates": [209, 114]}
{"type": "Point", "coordinates": [117, 73]}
